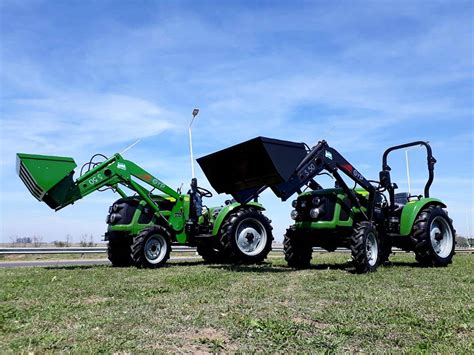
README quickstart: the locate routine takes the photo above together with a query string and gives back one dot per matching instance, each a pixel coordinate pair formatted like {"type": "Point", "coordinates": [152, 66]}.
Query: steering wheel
{"type": "Point", "coordinates": [203, 192]}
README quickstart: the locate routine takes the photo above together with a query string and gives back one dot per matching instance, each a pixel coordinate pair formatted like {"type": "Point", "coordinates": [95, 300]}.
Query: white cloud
{"type": "Point", "coordinates": [77, 123]}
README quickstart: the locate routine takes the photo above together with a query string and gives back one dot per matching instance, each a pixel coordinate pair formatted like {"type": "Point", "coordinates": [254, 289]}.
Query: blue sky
{"type": "Point", "coordinates": [80, 77]}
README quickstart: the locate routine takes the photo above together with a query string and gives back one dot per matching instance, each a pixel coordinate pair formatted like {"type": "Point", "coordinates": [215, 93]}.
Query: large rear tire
{"type": "Point", "coordinates": [433, 237]}
{"type": "Point", "coordinates": [151, 247]}
{"type": "Point", "coordinates": [298, 251]}
{"type": "Point", "coordinates": [365, 247]}
{"type": "Point", "coordinates": [118, 252]}
{"type": "Point", "coordinates": [246, 236]}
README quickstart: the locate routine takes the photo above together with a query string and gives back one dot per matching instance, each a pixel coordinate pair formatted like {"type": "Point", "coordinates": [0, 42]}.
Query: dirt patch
{"type": "Point", "coordinates": [205, 341]}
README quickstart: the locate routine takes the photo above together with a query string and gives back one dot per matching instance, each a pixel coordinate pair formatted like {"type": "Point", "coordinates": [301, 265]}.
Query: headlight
{"type": "Point", "coordinates": [294, 203]}
{"type": "Point", "coordinates": [314, 213]}
{"type": "Point", "coordinates": [316, 200]}
{"type": "Point", "coordinates": [294, 214]}
{"type": "Point", "coordinates": [116, 207]}
{"type": "Point", "coordinates": [114, 217]}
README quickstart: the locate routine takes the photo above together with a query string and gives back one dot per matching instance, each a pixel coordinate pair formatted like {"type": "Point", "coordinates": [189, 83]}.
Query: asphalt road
{"type": "Point", "coordinates": [77, 262]}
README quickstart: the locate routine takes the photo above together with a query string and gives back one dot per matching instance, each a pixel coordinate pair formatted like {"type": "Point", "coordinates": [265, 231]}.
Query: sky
{"type": "Point", "coordinates": [85, 77]}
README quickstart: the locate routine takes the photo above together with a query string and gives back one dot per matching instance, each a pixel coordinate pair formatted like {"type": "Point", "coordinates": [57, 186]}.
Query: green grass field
{"type": "Point", "coordinates": [196, 307]}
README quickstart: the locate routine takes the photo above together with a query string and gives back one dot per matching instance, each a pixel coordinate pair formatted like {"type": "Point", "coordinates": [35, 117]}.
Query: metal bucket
{"type": "Point", "coordinates": [245, 169]}
{"type": "Point", "coordinates": [48, 178]}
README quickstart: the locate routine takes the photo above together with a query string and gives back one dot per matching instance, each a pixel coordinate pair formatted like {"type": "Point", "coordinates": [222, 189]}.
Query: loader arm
{"type": "Point", "coordinates": [50, 179]}
{"type": "Point", "coordinates": [322, 157]}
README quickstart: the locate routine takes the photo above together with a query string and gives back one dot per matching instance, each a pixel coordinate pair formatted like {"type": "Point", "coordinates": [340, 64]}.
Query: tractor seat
{"type": "Point", "coordinates": [401, 199]}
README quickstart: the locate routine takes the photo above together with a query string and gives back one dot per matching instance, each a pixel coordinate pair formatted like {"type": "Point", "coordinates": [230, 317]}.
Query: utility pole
{"type": "Point", "coordinates": [195, 113]}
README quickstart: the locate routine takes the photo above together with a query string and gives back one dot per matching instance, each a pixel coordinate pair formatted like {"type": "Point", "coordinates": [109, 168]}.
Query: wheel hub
{"type": "Point", "coordinates": [441, 237]}
{"type": "Point", "coordinates": [372, 249]}
{"type": "Point", "coordinates": [251, 236]}
{"type": "Point", "coordinates": [155, 249]}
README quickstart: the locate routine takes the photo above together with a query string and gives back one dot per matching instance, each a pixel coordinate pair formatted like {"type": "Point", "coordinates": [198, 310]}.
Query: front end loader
{"type": "Point", "coordinates": [368, 218]}
{"type": "Point", "coordinates": [142, 228]}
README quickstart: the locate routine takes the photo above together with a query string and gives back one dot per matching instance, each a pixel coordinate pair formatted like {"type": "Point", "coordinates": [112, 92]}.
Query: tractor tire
{"type": "Point", "coordinates": [385, 248]}
{"type": "Point", "coordinates": [365, 247]}
{"type": "Point", "coordinates": [212, 255]}
{"type": "Point", "coordinates": [298, 251]}
{"type": "Point", "coordinates": [118, 252]}
{"type": "Point", "coordinates": [246, 236]}
{"type": "Point", "coordinates": [433, 237]}
{"type": "Point", "coordinates": [151, 247]}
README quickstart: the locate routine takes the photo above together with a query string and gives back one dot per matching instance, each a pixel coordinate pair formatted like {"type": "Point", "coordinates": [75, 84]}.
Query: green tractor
{"type": "Point", "coordinates": [369, 218]}
{"type": "Point", "coordinates": [142, 228]}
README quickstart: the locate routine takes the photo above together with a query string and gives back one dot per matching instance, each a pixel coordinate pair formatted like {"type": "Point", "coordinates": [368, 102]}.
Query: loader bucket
{"type": "Point", "coordinates": [245, 169]}
{"type": "Point", "coordinates": [49, 178]}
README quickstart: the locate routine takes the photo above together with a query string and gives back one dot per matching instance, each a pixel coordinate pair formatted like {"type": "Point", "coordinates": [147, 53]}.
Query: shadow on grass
{"type": "Point", "coordinates": [259, 268]}
{"type": "Point", "coordinates": [404, 263]}
{"type": "Point", "coordinates": [347, 266]}
{"type": "Point", "coordinates": [75, 267]}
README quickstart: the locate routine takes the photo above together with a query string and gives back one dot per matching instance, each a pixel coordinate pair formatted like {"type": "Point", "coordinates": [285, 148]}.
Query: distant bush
{"type": "Point", "coordinates": [60, 244]}
{"type": "Point", "coordinates": [87, 241]}
{"type": "Point", "coordinates": [23, 240]}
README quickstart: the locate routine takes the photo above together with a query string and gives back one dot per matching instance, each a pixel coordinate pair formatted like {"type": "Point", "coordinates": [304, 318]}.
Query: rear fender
{"type": "Point", "coordinates": [412, 209]}
{"type": "Point", "coordinates": [221, 217]}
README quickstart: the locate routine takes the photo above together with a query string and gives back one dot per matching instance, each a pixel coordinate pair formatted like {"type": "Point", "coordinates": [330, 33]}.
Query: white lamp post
{"type": "Point", "coordinates": [195, 113]}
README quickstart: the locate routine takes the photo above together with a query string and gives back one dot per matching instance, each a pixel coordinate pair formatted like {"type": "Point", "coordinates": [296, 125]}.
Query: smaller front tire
{"type": "Point", "coordinates": [151, 247]}
{"type": "Point", "coordinates": [118, 251]}
{"type": "Point", "coordinates": [365, 247]}
{"type": "Point", "coordinates": [298, 251]}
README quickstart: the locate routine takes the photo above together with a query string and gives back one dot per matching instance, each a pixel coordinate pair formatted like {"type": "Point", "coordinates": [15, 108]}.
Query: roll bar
{"type": "Point", "coordinates": [430, 160]}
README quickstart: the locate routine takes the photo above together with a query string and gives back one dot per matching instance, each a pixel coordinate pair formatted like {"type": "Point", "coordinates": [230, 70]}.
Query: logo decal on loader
{"type": "Point", "coordinates": [121, 166]}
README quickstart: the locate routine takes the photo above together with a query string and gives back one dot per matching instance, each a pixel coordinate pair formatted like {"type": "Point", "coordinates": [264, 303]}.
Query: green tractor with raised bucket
{"type": "Point", "coordinates": [369, 218]}
{"type": "Point", "coordinates": [142, 228]}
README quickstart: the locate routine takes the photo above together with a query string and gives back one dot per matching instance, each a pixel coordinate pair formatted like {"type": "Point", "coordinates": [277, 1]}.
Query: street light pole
{"type": "Point", "coordinates": [195, 113]}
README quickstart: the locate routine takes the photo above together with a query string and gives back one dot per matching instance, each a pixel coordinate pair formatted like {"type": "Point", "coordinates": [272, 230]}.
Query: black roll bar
{"type": "Point", "coordinates": [430, 160]}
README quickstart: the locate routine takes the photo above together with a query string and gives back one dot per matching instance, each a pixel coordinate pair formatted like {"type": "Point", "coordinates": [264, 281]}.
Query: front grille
{"type": "Point", "coordinates": [305, 204]}
{"type": "Point", "coordinates": [30, 183]}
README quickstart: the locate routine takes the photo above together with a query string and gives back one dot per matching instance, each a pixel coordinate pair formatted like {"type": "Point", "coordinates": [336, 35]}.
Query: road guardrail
{"type": "Point", "coordinates": [175, 248]}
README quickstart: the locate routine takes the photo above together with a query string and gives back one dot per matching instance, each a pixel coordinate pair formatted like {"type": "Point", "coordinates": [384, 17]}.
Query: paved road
{"type": "Point", "coordinates": [76, 262]}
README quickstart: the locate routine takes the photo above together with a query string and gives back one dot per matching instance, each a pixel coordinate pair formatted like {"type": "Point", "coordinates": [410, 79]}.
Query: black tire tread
{"type": "Point", "coordinates": [138, 244]}
{"type": "Point", "coordinates": [421, 240]}
{"type": "Point", "coordinates": [233, 255]}
{"type": "Point", "coordinates": [358, 247]}
{"type": "Point", "coordinates": [298, 251]}
{"type": "Point", "coordinates": [118, 252]}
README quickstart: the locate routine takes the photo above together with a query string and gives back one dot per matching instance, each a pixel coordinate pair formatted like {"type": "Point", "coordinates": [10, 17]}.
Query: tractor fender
{"type": "Point", "coordinates": [222, 216]}
{"type": "Point", "coordinates": [412, 209]}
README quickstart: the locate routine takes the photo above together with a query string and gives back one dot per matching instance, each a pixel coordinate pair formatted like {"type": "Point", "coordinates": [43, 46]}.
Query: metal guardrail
{"type": "Point", "coordinates": [176, 248]}
{"type": "Point", "coordinates": [72, 250]}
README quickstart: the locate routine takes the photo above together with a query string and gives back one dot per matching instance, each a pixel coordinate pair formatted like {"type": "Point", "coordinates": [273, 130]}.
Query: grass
{"type": "Point", "coordinates": [188, 307]}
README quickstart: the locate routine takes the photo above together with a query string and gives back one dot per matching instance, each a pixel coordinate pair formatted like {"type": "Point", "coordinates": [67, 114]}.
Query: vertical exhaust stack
{"type": "Point", "coordinates": [48, 178]}
{"type": "Point", "coordinates": [246, 169]}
